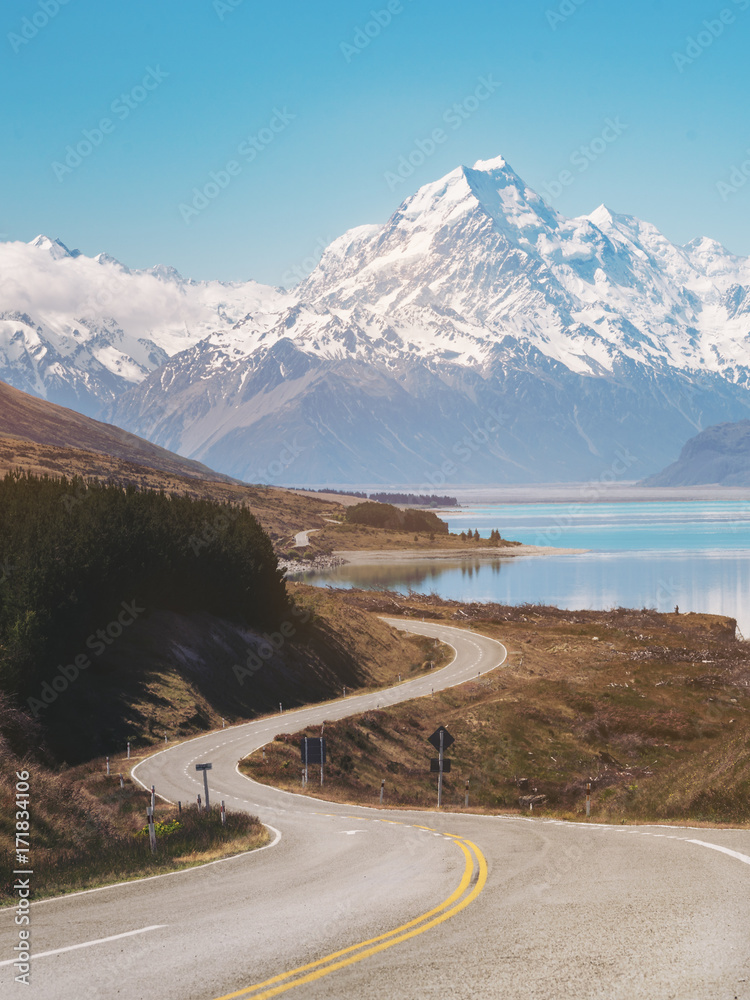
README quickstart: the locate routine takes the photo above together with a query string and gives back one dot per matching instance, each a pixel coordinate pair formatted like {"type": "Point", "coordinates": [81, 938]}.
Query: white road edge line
{"type": "Point", "coordinates": [90, 944]}
{"type": "Point", "coordinates": [150, 878]}
{"type": "Point", "coordinates": [724, 850]}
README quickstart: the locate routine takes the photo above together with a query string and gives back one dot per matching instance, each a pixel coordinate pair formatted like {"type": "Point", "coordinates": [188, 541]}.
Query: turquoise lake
{"type": "Point", "coordinates": [691, 554]}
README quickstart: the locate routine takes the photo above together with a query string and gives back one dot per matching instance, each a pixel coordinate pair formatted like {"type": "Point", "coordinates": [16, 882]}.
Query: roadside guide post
{"type": "Point", "coordinates": [205, 768]}
{"type": "Point", "coordinates": [588, 798]}
{"type": "Point", "coordinates": [466, 802]}
{"type": "Point", "coordinates": [108, 766]}
{"type": "Point", "coordinates": [151, 828]}
{"type": "Point", "coordinates": [382, 790]}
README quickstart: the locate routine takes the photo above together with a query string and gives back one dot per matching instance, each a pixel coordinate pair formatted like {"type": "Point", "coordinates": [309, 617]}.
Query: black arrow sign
{"type": "Point", "coordinates": [448, 740]}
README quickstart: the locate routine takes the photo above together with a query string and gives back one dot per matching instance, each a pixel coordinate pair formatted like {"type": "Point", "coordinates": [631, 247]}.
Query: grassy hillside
{"type": "Point", "coordinates": [281, 512]}
{"type": "Point", "coordinates": [352, 537]}
{"type": "Point", "coordinates": [178, 674]}
{"type": "Point", "coordinates": [652, 708]}
{"type": "Point", "coordinates": [88, 831]}
{"type": "Point", "coordinates": [42, 438]}
{"type": "Point", "coordinates": [27, 418]}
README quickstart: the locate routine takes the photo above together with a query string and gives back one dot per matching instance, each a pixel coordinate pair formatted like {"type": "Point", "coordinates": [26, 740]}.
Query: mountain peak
{"type": "Point", "coordinates": [706, 245]}
{"type": "Point", "coordinates": [165, 272]}
{"type": "Point", "coordinates": [487, 166]}
{"type": "Point", "coordinates": [55, 247]}
{"type": "Point", "coordinates": [601, 215]}
{"type": "Point", "coordinates": [105, 258]}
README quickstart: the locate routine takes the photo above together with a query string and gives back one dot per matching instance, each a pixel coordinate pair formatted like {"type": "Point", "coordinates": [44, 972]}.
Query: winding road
{"type": "Point", "coordinates": [351, 902]}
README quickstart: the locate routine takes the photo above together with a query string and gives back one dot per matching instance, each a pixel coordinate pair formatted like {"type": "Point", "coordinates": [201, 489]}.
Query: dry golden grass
{"type": "Point", "coordinates": [86, 831]}
{"type": "Point", "coordinates": [652, 708]}
{"type": "Point", "coordinates": [350, 537]}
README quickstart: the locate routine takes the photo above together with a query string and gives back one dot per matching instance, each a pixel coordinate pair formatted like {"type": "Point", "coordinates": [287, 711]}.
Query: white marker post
{"type": "Point", "coordinates": [128, 749]}
{"type": "Point", "coordinates": [122, 783]}
{"type": "Point", "coordinates": [382, 790]}
{"type": "Point", "coordinates": [466, 801]}
{"type": "Point", "coordinates": [107, 766]}
{"type": "Point", "coordinates": [321, 759]}
{"type": "Point", "coordinates": [151, 828]}
{"type": "Point", "coordinates": [205, 768]}
{"type": "Point", "coordinates": [223, 813]}
{"type": "Point", "coordinates": [588, 799]}
{"type": "Point", "coordinates": [304, 779]}
{"type": "Point", "coordinates": [281, 709]}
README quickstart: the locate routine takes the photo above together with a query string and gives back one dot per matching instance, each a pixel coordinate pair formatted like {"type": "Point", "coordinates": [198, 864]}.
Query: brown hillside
{"type": "Point", "coordinates": [45, 439]}
{"type": "Point", "coordinates": [31, 419]}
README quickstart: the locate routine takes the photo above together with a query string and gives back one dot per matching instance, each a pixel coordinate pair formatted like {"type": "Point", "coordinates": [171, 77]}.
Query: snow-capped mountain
{"type": "Point", "coordinates": [477, 336]}
{"type": "Point", "coordinates": [79, 331]}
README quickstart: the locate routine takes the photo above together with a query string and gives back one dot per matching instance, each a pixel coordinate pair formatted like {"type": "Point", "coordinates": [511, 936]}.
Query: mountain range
{"type": "Point", "coordinates": [478, 336]}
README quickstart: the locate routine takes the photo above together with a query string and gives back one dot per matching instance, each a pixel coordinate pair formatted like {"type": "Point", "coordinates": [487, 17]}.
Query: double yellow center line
{"type": "Point", "coordinates": [475, 871]}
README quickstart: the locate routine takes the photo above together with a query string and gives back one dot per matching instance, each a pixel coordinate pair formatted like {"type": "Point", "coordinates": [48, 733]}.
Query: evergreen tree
{"type": "Point", "coordinates": [75, 551]}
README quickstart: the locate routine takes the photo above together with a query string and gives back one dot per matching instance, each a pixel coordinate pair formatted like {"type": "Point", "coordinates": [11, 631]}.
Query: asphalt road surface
{"type": "Point", "coordinates": [350, 902]}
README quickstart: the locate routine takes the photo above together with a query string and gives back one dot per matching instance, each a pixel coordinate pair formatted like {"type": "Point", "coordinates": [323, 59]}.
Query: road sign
{"type": "Point", "coordinates": [441, 739]}
{"type": "Point", "coordinates": [448, 740]}
{"type": "Point", "coordinates": [205, 768]}
{"type": "Point", "coordinates": [435, 764]}
{"type": "Point", "coordinates": [313, 750]}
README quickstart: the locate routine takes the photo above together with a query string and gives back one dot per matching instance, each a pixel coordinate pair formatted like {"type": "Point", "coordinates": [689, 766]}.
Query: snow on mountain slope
{"type": "Point", "coordinates": [588, 292]}
{"type": "Point", "coordinates": [476, 303]}
{"type": "Point", "coordinates": [576, 339]}
{"type": "Point", "coordinates": [79, 330]}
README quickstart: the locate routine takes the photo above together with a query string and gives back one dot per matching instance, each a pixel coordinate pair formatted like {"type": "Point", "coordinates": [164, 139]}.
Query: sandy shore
{"type": "Point", "coordinates": [361, 557]}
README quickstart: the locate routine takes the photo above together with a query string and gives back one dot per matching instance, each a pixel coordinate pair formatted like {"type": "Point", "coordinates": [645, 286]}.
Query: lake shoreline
{"type": "Point", "coordinates": [695, 556]}
{"type": "Point", "coordinates": [363, 557]}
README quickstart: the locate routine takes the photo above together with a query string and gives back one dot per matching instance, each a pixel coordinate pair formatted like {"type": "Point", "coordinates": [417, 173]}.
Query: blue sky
{"type": "Point", "coordinates": [303, 112]}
